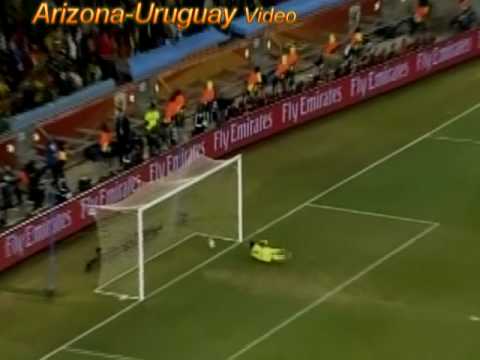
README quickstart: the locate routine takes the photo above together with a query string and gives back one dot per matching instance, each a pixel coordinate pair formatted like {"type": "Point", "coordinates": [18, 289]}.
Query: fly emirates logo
{"type": "Point", "coordinates": [240, 132]}
{"type": "Point", "coordinates": [300, 108]}
{"type": "Point", "coordinates": [361, 86]}
{"type": "Point", "coordinates": [18, 243]}
{"type": "Point", "coordinates": [427, 60]}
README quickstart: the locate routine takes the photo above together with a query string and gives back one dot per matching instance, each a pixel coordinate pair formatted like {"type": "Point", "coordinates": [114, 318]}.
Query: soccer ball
{"type": "Point", "coordinates": [211, 243]}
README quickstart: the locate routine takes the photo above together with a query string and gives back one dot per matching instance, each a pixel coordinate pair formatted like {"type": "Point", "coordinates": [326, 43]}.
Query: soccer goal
{"type": "Point", "coordinates": [200, 202]}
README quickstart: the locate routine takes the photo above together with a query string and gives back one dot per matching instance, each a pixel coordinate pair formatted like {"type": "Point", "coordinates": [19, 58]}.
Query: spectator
{"type": "Point", "coordinates": [124, 136]}
{"type": "Point", "coordinates": [6, 195]}
{"type": "Point", "coordinates": [254, 83]}
{"type": "Point", "coordinates": [12, 180]}
{"type": "Point", "coordinates": [201, 120]}
{"type": "Point", "coordinates": [62, 157]}
{"type": "Point", "coordinates": [51, 159]}
{"type": "Point", "coordinates": [23, 182]}
{"type": "Point", "coordinates": [55, 42]}
{"type": "Point", "coordinates": [105, 141]}
{"type": "Point", "coordinates": [107, 49]}
{"type": "Point", "coordinates": [331, 46]}
{"type": "Point", "coordinates": [209, 94]}
{"type": "Point", "coordinates": [61, 192]}
{"type": "Point", "coordinates": [152, 123]}
{"type": "Point", "coordinates": [466, 18]}
{"type": "Point", "coordinates": [4, 89]}
{"type": "Point", "coordinates": [357, 41]}
{"type": "Point", "coordinates": [292, 61]}
{"type": "Point", "coordinates": [281, 75]}
{"type": "Point", "coordinates": [137, 151]}
{"type": "Point", "coordinates": [168, 131]}
{"type": "Point", "coordinates": [293, 57]}
{"type": "Point", "coordinates": [419, 18]}
{"type": "Point", "coordinates": [72, 39]}
{"type": "Point", "coordinates": [5, 204]}
{"type": "Point", "coordinates": [36, 185]}
{"type": "Point", "coordinates": [209, 98]}
{"type": "Point", "coordinates": [180, 102]}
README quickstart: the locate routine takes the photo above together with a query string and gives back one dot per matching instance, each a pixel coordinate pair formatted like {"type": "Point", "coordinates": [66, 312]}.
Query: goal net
{"type": "Point", "coordinates": [202, 202]}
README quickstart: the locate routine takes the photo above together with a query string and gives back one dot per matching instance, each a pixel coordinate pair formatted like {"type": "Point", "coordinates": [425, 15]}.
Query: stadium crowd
{"type": "Point", "coordinates": [40, 63]}
{"type": "Point", "coordinates": [120, 146]}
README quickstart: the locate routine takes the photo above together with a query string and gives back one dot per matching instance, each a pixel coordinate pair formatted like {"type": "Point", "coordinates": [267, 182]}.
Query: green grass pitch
{"type": "Point", "coordinates": [380, 205]}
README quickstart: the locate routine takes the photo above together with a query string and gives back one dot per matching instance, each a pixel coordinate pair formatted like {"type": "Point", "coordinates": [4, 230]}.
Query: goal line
{"type": "Point", "coordinates": [100, 290]}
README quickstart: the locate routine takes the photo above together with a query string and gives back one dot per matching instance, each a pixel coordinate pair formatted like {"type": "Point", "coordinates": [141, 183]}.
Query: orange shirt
{"type": "Point", "coordinates": [281, 70]}
{"type": "Point", "coordinates": [170, 111]}
{"type": "Point", "coordinates": [24, 179]}
{"type": "Point", "coordinates": [293, 59]}
{"type": "Point", "coordinates": [464, 4]}
{"type": "Point", "coordinates": [252, 78]}
{"type": "Point", "coordinates": [357, 38]}
{"type": "Point", "coordinates": [421, 12]}
{"type": "Point", "coordinates": [105, 139]}
{"type": "Point", "coordinates": [330, 48]}
{"type": "Point", "coordinates": [180, 103]}
{"type": "Point", "coordinates": [208, 96]}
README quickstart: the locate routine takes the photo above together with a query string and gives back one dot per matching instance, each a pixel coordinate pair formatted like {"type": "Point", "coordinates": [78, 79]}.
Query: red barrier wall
{"type": "Point", "coordinates": [58, 223]}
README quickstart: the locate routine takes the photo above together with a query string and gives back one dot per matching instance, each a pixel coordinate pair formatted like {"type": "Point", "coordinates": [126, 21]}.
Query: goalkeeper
{"type": "Point", "coordinates": [262, 251]}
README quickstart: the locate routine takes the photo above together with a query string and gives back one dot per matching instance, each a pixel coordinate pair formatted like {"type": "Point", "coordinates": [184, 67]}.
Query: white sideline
{"type": "Point", "coordinates": [456, 140]}
{"type": "Point", "coordinates": [267, 226]}
{"type": "Point", "coordinates": [332, 292]}
{"type": "Point", "coordinates": [99, 354]}
{"type": "Point", "coordinates": [372, 214]}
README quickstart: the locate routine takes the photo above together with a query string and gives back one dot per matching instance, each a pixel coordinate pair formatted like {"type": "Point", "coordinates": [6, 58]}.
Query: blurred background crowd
{"type": "Point", "coordinates": [40, 63]}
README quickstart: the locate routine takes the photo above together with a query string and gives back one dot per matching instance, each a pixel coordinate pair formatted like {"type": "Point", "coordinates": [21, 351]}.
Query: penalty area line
{"type": "Point", "coordinates": [97, 354]}
{"type": "Point", "coordinates": [332, 292]}
{"type": "Point", "coordinates": [372, 214]}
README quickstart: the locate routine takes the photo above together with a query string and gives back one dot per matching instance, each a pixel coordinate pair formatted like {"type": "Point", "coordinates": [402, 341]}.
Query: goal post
{"type": "Point", "coordinates": [197, 203]}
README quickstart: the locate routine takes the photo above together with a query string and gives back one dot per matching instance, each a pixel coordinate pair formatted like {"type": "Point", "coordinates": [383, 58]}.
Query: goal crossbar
{"type": "Point", "coordinates": [186, 184]}
{"type": "Point", "coordinates": [192, 181]}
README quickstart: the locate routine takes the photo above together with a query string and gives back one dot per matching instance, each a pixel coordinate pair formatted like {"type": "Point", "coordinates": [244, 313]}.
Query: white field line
{"type": "Point", "coordinates": [372, 214]}
{"type": "Point", "coordinates": [266, 227]}
{"type": "Point", "coordinates": [332, 293]}
{"type": "Point", "coordinates": [369, 167]}
{"type": "Point", "coordinates": [99, 290]}
{"type": "Point", "coordinates": [456, 140]}
{"type": "Point", "coordinates": [97, 354]}
{"type": "Point", "coordinates": [216, 237]}
{"type": "Point", "coordinates": [137, 303]}
{"type": "Point", "coordinates": [116, 295]}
